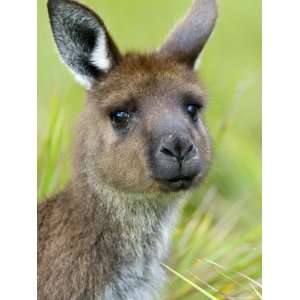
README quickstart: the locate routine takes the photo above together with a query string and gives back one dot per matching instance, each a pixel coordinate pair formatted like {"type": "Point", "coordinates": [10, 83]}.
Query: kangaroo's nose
{"type": "Point", "coordinates": [176, 161]}
{"type": "Point", "coordinates": [175, 147]}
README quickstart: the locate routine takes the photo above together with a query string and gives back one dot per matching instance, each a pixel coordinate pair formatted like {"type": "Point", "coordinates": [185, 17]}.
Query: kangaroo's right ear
{"type": "Point", "coordinates": [82, 40]}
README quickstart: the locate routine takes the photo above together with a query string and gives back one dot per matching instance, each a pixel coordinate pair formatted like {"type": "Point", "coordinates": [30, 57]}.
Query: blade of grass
{"type": "Point", "coordinates": [188, 281]}
{"type": "Point", "coordinates": [241, 274]}
{"type": "Point", "coordinates": [256, 291]}
{"type": "Point", "coordinates": [227, 297]}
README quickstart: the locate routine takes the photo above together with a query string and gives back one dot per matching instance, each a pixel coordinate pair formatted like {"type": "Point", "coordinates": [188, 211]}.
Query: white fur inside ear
{"type": "Point", "coordinates": [100, 56]}
{"type": "Point", "coordinates": [84, 80]}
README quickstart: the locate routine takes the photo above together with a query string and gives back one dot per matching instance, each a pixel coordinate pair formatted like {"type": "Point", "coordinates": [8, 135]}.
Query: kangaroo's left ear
{"type": "Point", "coordinates": [82, 40]}
{"type": "Point", "coordinates": [188, 39]}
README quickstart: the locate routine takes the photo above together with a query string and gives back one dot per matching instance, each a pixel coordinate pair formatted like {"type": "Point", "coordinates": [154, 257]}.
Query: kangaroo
{"type": "Point", "coordinates": [141, 147]}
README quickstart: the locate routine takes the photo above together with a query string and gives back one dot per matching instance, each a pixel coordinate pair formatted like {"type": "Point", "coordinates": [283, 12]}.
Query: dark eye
{"type": "Point", "coordinates": [192, 110]}
{"type": "Point", "coordinates": [120, 119]}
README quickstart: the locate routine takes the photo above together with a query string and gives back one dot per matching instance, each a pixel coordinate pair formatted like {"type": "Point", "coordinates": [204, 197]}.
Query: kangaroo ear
{"type": "Point", "coordinates": [189, 37]}
{"type": "Point", "coordinates": [82, 40]}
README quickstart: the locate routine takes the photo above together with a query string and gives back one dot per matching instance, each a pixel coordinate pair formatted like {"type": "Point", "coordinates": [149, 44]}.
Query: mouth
{"type": "Point", "coordinates": [178, 183]}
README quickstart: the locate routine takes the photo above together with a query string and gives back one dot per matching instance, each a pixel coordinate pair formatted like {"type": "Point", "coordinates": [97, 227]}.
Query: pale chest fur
{"type": "Point", "coordinates": [145, 243]}
{"type": "Point", "coordinates": [141, 278]}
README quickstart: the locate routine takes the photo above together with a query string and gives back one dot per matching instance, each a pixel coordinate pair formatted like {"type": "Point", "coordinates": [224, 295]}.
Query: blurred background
{"type": "Point", "coordinates": [217, 245]}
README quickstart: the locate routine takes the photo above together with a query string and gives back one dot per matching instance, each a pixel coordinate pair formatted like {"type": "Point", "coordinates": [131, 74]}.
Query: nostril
{"type": "Point", "coordinates": [190, 148]}
{"type": "Point", "coordinates": [187, 151]}
{"type": "Point", "coordinates": [166, 151]}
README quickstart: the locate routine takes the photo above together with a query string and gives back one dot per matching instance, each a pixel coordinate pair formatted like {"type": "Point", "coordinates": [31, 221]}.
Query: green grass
{"type": "Point", "coordinates": [217, 245]}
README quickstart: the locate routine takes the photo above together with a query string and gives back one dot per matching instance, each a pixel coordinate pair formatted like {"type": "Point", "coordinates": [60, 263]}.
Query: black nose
{"type": "Point", "coordinates": [176, 161]}
{"type": "Point", "coordinates": [179, 148]}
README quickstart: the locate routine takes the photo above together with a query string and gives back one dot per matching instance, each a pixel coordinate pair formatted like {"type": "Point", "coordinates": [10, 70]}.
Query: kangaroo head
{"type": "Point", "coordinates": [142, 127]}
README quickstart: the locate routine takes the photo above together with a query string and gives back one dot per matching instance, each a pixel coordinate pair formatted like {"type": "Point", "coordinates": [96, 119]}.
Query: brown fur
{"type": "Point", "coordinates": [154, 83]}
{"type": "Point", "coordinates": [105, 235]}
{"type": "Point", "coordinates": [71, 223]}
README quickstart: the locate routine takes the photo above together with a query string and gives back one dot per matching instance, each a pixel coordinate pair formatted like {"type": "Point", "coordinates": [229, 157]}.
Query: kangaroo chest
{"type": "Point", "coordinates": [138, 273]}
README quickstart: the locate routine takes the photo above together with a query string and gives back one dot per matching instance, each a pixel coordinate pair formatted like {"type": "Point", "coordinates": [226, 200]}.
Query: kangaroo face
{"type": "Point", "coordinates": [147, 130]}
{"type": "Point", "coordinates": [142, 129]}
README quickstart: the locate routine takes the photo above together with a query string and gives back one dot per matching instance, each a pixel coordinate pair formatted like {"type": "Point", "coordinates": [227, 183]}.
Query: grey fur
{"type": "Point", "coordinates": [189, 37]}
